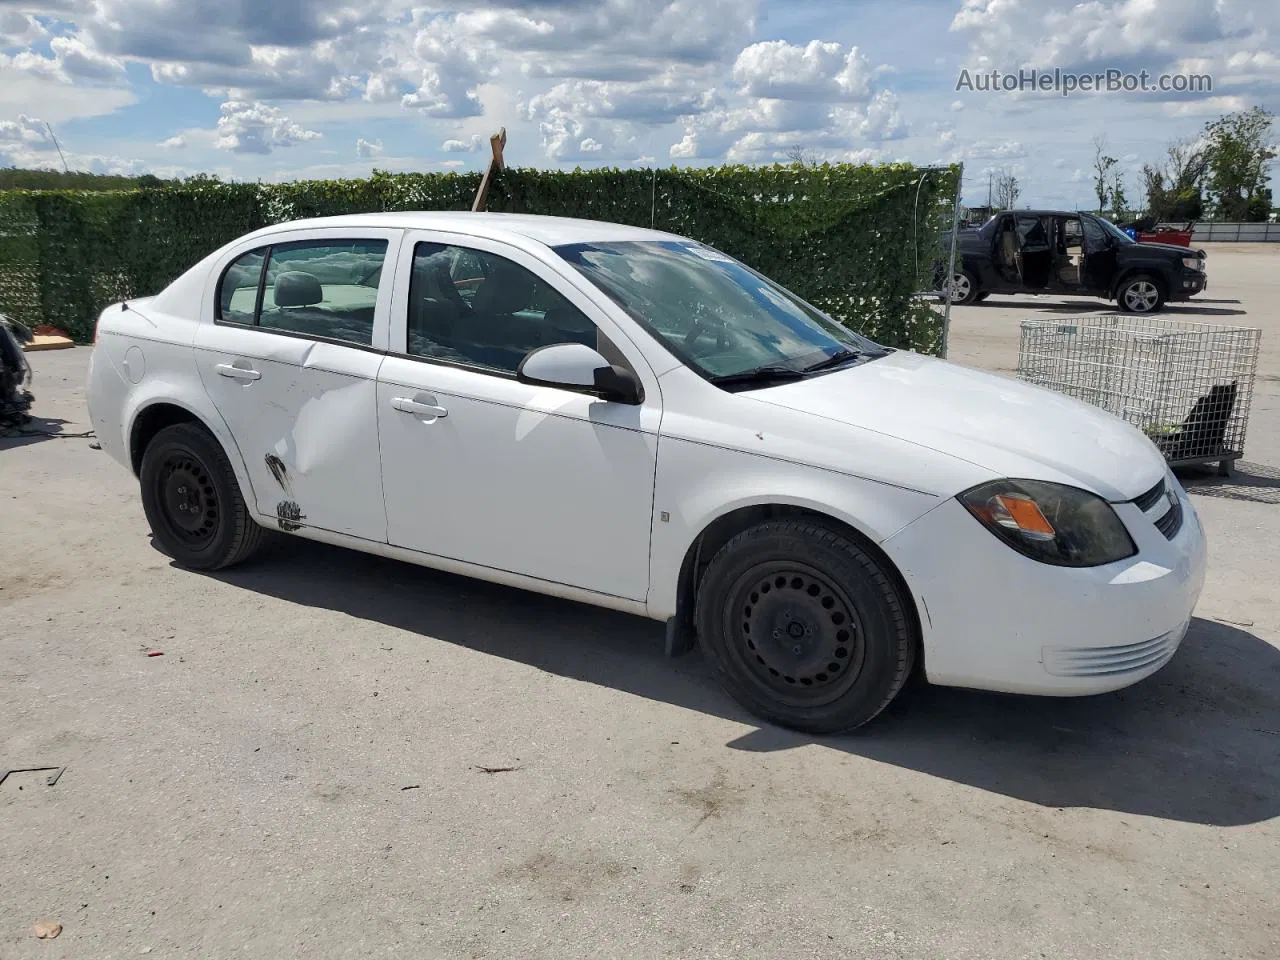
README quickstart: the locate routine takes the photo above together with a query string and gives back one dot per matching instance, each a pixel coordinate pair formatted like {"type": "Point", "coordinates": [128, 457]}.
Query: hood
{"type": "Point", "coordinates": [1003, 425]}
{"type": "Point", "coordinates": [1169, 248]}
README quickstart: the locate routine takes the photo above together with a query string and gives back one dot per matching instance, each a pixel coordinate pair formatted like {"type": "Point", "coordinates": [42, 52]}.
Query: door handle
{"type": "Point", "coordinates": [237, 373]}
{"type": "Point", "coordinates": [424, 407]}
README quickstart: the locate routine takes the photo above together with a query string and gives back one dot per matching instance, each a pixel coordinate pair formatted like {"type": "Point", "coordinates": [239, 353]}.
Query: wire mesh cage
{"type": "Point", "coordinates": [1186, 385]}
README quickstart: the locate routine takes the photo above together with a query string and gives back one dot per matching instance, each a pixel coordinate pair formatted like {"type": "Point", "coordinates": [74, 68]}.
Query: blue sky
{"type": "Point", "coordinates": [282, 89]}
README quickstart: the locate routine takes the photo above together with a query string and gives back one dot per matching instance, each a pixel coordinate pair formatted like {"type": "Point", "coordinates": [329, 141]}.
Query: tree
{"type": "Point", "coordinates": [1103, 179]}
{"type": "Point", "coordinates": [13, 178]}
{"type": "Point", "coordinates": [1007, 190]}
{"type": "Point", "coordinates": [1176, 190]}
{"type": "Point", "coordinates": [1119, 202]}
{"type": "Point", "coordinates": [1238, 154]}
{"type": "Point", "coordinates": [803, 156]}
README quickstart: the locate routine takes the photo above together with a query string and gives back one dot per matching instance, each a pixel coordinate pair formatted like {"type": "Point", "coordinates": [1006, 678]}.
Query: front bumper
{"type": "Point", "coordinates": [993, 619]}
{"type": "Point", "coordinates": [1189, 284]}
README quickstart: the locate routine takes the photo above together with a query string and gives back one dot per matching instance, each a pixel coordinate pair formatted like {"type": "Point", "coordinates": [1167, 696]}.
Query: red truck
{"type": "Point", "coordinates": [1146, 231]}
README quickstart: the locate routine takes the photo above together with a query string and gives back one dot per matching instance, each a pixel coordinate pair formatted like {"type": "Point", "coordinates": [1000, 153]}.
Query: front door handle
{"type": "Point", "coordinates": [237, 373]}
{"type": "Point", "coordinates": [422, 405]}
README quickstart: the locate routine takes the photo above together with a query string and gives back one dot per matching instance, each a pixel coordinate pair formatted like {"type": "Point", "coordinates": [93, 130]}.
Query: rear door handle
{"type": "Point", "coordinates": [237, 373]}
{"type": "Point", "coordinates": [423, 405]}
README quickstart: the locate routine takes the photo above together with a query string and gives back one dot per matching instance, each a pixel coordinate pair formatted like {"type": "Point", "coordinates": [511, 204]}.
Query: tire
{"type": "Point", "coordinates": [193, 502]}
{"type": "Point", "coordinates": [804, 628]}
{"type": "Point", "coordinates": [982, 295]}
{"type": "Point", "coordinates": [1141, 293]}
{"type": "Point", "coordinates": [964, 288]}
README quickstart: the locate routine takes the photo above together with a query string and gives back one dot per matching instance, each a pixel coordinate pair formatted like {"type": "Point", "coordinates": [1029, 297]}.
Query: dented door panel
{"type": "Point", "coordinates": [303, 413]}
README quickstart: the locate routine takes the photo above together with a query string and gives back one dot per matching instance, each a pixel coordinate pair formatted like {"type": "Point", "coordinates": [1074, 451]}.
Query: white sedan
{"type": "Point", "coordinates": [633, 419]}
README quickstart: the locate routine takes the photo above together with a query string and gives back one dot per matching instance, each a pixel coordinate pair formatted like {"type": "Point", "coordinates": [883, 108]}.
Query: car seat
{"type": "Point", "coordinates": [1009, 249]}
{"type": "Point", "coordinates": [566, 324]}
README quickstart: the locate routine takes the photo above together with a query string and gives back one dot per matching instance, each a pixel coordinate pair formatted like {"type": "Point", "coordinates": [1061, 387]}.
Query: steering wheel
{"type": "Point", "coordinates": [700, 324]}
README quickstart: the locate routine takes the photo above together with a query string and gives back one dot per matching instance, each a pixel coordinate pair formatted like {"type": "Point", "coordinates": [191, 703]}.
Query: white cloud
{"type": "Point", "coordinates": [81, 61]}
{"type": "Point", "coordinates": [1232, 40]}
{"type": "Point", "coordinates": [255, 127]}
{"type": "Point", "coordinates": [819, 71]}
{"type": "Point", "coordinates": [19, 29]}
{"type": "Point", "coordinates": [1207, 108]}
{"type": "Point", "coordinates": [991, 150]}
{"type": "Point", "coordinates": [25, 130]}
{"type": "Point", "coordinates": [177, 142]}
{"type": "Point", "coordinates": [71, 60]}
{"type": "Point", "coordinates": [451, 69]}
{"type": "Point", "coordinates": [612, 113]}
{"type": "Point", "coordinates": [820, 96]}
{"type": "Point", "coordinates": [462, 146]}
{"type": "Point", "coordinates": [368, 148]}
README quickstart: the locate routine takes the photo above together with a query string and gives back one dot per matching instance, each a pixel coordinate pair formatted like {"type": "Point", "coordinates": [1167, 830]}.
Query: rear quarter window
{"type": "Point", "coordinates": [238, 291]}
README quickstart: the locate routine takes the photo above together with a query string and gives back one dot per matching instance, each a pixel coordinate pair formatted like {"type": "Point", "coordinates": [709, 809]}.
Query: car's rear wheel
{"type": "Point", "coordinates": [964, 288]}
{"type": "Point", "coordinates": [193, 502]}
{"type": "Point", "coordinates": [804, 627]}
{"type": "Point", "coordinates": [1140, 294]}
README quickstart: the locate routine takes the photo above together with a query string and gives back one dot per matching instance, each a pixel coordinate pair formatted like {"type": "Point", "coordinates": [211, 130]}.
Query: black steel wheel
{"type": "Point", "coordinates": [190, 504]}
{"type": "Point", "coordinates": [804, 626]}
{"type": "Point", "coordinates": [193, 501]}
{"type": "Point", "coordinates": [800, 637]}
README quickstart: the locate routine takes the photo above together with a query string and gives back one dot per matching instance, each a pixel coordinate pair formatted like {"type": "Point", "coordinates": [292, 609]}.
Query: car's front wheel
{"type": "Point", "coordinates": [193, 502]}
{"type": "Point", "coordinates": [964, 288]}
{"type": "Point", "coordinates": [1140, 294]}
{"type": "Point", "coordinates": [804, 627]}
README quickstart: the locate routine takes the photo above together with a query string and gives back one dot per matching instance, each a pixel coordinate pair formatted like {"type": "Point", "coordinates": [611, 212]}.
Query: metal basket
{"type": "Point", "coordinates": [1186, 385]}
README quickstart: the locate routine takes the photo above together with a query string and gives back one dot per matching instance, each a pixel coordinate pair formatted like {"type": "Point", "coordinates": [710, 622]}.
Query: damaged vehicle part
{"type": "Point", "coordinates": [636, 420]}
{"type": "Point", "coordinates": [15, 375]}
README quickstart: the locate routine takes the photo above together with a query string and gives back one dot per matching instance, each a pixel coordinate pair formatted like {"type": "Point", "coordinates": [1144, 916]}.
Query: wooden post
{"type": "Point", "coordinates": [497, 143]}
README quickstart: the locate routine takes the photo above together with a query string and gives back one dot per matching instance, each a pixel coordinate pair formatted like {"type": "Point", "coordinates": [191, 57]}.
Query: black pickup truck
{"type": "Point", "coordinates": [1054, 251]}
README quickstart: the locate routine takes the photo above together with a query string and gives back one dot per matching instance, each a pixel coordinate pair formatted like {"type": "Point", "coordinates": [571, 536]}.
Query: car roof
{"type": "Point", "coordinates": [552, 231]}
{"type": "Point", "coordinates": [1047, 213]}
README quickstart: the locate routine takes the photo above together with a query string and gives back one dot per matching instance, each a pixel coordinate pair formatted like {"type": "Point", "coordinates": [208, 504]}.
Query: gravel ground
{"type": "Point", "coordinates": [341, 756]}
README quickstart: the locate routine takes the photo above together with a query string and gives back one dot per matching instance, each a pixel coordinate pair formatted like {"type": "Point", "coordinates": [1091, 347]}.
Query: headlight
{"type": "Point", "coordinates": [1051, 522]}
{"type": "Point", "coordinates": [1193, 263]}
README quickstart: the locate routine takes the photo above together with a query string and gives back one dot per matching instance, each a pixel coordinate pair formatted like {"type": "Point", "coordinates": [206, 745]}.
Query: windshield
{"type": "Point", "coordinates": [1115, 231]}
{"type": "Point", "coordinates": [718, 315]}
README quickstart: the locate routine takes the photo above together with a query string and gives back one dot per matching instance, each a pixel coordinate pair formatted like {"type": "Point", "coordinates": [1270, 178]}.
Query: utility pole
{"type": "Point", "coordinates": [59, 146]}
{"type": "Point", "coordinates": [989, 177]}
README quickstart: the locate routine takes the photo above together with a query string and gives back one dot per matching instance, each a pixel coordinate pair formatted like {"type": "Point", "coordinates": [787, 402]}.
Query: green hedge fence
{"type": "Point", "coordinates": [857, 241]}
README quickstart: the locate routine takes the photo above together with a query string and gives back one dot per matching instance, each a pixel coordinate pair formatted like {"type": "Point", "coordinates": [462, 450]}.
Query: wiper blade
{"type": "Point", "coordinates": [758, 375]}
{"type": "Point", "coordinates": [838, 358]}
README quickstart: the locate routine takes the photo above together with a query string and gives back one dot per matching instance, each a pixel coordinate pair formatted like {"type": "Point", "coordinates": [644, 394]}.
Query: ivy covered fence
{"type": "Point", "coordinates": [858, 241]}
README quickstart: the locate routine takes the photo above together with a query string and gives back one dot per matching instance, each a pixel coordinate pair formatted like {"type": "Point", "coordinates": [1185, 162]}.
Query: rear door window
{"type": "Point", "coordinates": [326, 289]}
{"type": "Point", "coordinates": [323, 288]}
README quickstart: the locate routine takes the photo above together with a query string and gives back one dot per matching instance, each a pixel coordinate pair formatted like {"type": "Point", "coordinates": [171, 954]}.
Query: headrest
{"type": "Point", "coordinates": [508, 288]}
{"type": "Point", "coordinates": [297, 289]}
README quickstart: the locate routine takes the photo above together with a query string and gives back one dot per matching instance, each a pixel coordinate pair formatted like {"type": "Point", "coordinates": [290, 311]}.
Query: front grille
{"type": "Point", "coordinates": [1171, 522]}
{"type": "Point", "coordinates": [1109, 661]}
{"type": "Point", "coordinates": [1151, 497]}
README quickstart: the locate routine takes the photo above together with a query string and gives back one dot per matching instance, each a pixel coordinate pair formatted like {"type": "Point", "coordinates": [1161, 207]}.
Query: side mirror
{"type": "Point", "coordinates": [575, 366]}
